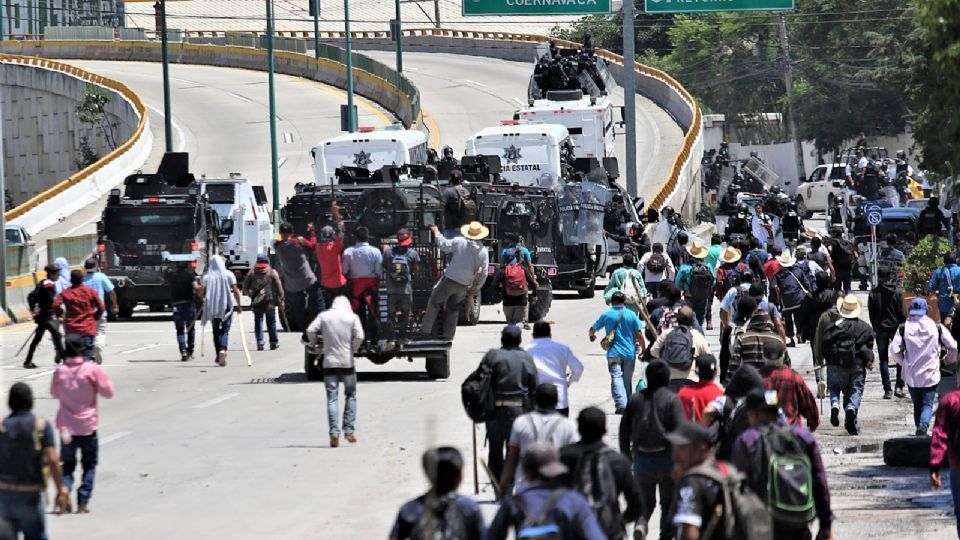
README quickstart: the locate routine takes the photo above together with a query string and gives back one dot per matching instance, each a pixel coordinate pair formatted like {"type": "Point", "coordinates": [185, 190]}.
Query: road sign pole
{"type": "Point", "coordinates": [167, 114]}
{"type": "Point", "coordinates": [3, 243]}
{"type": "Point", "coordinates": [351, 116]}
{"type": "Point", "coordinates": [398, 35]}
{"type": "Point", "coordinates": [316, 28]}
{"type": "Point", "coordinates": [630, 96]}
{"type": "Point", "coordinates": [274, 153]}
{"type": "Point", "coordinates": [874, 279]}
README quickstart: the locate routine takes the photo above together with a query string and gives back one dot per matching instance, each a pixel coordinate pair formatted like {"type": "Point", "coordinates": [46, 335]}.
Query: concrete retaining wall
{"type": "Point", "coordinates": [41, 132]}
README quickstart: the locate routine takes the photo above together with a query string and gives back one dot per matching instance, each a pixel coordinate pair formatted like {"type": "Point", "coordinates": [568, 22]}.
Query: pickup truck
{"type": "Point", "coordinates": [816, 194]}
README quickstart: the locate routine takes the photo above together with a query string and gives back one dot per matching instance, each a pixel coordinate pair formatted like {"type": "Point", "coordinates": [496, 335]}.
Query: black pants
{"type": "Point", "coordinates": [46, 324]}
{"type": "Point", "coordinates": [725, 351]}
{"type": "Point", "coordinates": [499, 426]}
{"type": "Point", "coordinates": [842, 281]}
{"type": "Point", "coordinates": [329, 294]}
{"type": "Point", "coordinates": [790, 320]}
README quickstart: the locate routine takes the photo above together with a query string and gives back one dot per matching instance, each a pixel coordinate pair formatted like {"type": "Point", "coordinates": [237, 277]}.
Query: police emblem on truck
{"type": "Point", "coordinates": [511, 154]}
{"type": "Point", "coordinates": [362, 159]}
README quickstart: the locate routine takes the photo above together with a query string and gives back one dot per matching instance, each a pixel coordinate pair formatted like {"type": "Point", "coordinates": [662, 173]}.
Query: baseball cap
{"type": "Point", "coordinates": [286, 228]}
{"type": "Point", "coordinates": [262, 260]}
{"type": "Point", "coordinates": [918, 306]}
{"type": "Point", "coordinates": [705, 363]}
{"type": "Point", "coordinates": [688, 433]}
{"type": "Point", "coordinates": [543, 458]}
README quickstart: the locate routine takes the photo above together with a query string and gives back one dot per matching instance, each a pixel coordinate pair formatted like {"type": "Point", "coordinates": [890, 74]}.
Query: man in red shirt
{"type": "Point", "coordinates": [329, 248]}
{"type": "Point", "coordinates": [695, 397]}
{"type": "Point", "coordinates": [943, 447]}
{"type": "Point", "coordinates": [772, 267]}
{"type": "Point", "coordinates": [80, 308]}
{"type": "Point", "coordinates": [795, 398]}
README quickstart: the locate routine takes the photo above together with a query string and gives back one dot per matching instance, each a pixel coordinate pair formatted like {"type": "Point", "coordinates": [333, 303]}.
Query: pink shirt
{"type": "Point", "coordinates": [76, 383]}
{"type": "Point", "coordinates": [920, 357]}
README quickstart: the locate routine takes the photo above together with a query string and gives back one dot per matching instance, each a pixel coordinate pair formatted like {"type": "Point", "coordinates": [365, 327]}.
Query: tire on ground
{"type": "Point", "coordinates": [438, 366]}
{"type": "Point", "coordinates": [907, 452]}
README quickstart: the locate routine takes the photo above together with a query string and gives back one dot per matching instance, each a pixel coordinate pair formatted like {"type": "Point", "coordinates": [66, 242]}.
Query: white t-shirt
{"type": "Point", "coordinates": [537, 426]}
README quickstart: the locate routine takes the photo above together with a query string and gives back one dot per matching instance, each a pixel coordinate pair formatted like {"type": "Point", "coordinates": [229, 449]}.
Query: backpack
{"type": "Point", "coordinates": [468, 207]}
{"type": "Point", "coordinates": [731, 278]}
{"type": "Point", "coordinates": [441, 519]}
{"type": "Point", "coordinates": [843, 253]}
{"type": "Point", "coordinates": [744, 514]}
{"type": "Point", "coordinates": [595, 480]}
{"type": "Point", "coordinates": [668, 319]}
{"type": "Point", "coordinates": [399, 269]}
{"type": "Point", "coordinates": [540, 526]}
{"type": "Point", "coordinates": [630, 288]}
{"type": "Point", "coordinates": [261, 288]}
{"type": "Point", "coordinates": [733, 421]}
{"type": "Point", "coordinates": [839, 347]}
{"type": "Point", "coordinates": [677, 350]}
{"type": "Point", "coordinates": [515, 279]}
{"type": "Point", "coordinates": [786, 475]}
{"type": "Point", "coordinates": [476, 392]}
{"type": "Point", "coordinates": [701, 283]}
{"type": "Point", "coordinates": [756, 266]}
{"type": "Point", "coordinates": [657, 263]}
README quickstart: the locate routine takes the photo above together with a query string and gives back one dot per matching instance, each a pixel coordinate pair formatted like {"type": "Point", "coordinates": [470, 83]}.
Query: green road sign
{"type": "Point", "coordinates": [535, 7]}
{"type": "Point", "coordinates": [689, 6]}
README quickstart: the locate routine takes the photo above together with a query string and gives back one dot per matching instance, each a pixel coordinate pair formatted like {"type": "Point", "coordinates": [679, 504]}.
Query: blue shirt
{"type": "Point", "coordinates": [728, 303]}
{"type": "Point", "coordinates": [362, 261]}
{"type": "Point", "coordinates": [571, 512]}
{"type": "Point", "coordinates": [507, 255]}
{"type": "Point", "coordinates": [945, 280]}
{"type": "Point", "coordinates": [98, 282]}
{"type": "Point", "coordinates": [624, 345]}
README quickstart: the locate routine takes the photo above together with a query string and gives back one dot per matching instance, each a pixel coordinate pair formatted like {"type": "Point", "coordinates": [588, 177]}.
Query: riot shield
{"type": "Point", "coordinates": [569, 213]}
{"type": "Point", "coordinates": [593, 200]}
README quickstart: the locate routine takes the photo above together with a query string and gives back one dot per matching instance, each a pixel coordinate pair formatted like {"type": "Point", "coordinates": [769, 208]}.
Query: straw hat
{"type": "Point", "coordinates": [475, 230]}
{"type": "Point", "coordinates": [810, 234]}
{"type": "Point", "coordinates": [730, 254]}
{"type": "Point", "coordinates": [849, 307]}
{"type": "Point", "coordinates": [697, 250]}
{"type": "Point", "coordinates": [786, 260]}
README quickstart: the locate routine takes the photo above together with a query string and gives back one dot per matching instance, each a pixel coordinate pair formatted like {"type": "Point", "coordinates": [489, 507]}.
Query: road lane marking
{"type": "Point", "coordinates": [77, 228]}
{"type": "Point", "coordinates": [38, 374]}
{"type": "Point", "coordinates": [138, 349]}
{"type": "Point", "coordinates": [182, 143]}
{"type": "Point", "coordinates": [280, 162]}
{"type": "Point", "coordinates": [518, 102]}
{"type": "Point", "coordinates": [115, 437]}
{"type": "Point", "coordinates": [481, 85]}
{"type": "Point", "coordinates": [214, 401]}
{"type": "Point", "coordinates": [241, 98]}
{"type": "Point", "coordinates": [287, 137]}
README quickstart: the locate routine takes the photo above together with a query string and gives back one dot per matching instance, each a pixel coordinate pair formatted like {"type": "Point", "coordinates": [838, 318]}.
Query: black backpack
{"type": "Point", "coordinates": [844, 253]}
{"type": "Point", "coordinates": [701, 283]}
{"type": "Point", "coordinates": [441, 519]}
{"type": "Point", "coordinates": [677, 350]}
{"type": "Point", "coordinates": [839, 347]}
{"type": "Point", "coordinates": [468, 207]}
{"type": "Point", "coordinates": [745, 517]}
{"type": "Point", "coordinates": [756, 266]}
{"type": "Point", "coordinates": [476, 392]}
{"type": "Point", "coordinates": [595, 480]}
{"type": "Point", "coordinates": [541, 526]}
{"type": "Point", "coordinates": [785, 477]}
{"type": "Point", "coordinates": [657, 263]}
{"type": "Point", "coordinates": [33, 297]}
{"type": "Point", "coordinates": [733, 421]}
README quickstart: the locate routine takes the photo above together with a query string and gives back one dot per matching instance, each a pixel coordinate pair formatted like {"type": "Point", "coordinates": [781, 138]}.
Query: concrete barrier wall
{"type": "Point", "coordinates": [41, 131]}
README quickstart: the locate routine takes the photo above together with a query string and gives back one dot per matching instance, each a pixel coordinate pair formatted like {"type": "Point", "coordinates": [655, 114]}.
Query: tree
{"type": "Point", "coordinates": [937, 94]}
{"type": "Point", "coordinates": [92, 111]}
{"type": "Point", "coordinates": [607, 31]}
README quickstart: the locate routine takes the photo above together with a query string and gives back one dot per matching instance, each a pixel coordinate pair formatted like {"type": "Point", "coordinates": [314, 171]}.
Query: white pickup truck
{"type": "Point", "coordinates": [818, 192]}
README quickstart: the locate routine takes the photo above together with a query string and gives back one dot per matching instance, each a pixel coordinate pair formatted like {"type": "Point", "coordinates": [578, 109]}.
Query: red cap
{"type": "Point", "coordinates": [405, 241]}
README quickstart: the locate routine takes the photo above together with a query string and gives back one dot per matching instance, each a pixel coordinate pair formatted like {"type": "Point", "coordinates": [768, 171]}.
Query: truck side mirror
{"type": "Point", "coordinates": [226, 229]}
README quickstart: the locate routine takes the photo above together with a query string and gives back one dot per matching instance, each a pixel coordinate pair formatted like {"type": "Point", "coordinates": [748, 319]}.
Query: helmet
{"type": "Point", "coordinates": [901, 154]}
{"type": "Point", "coordinates": [447, 152]}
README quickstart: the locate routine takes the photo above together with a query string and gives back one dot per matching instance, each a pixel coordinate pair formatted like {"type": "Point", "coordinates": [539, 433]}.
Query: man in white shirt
{"type": "Point", "coordinates": [556, 364]}
{"type": "Point", "coordinates": [761, 226]}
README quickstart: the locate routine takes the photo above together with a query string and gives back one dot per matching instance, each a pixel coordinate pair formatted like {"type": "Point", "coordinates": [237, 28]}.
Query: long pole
{"type": "Point", "coordinates": [630, 96]}
{"type": "Point", "coordinates": [788, 82]}
{"type": "Point", "coordinates": [274, 157]}
{"type": "Point", "coordinates": [167, 115]}
{"type": "Point", "coordinates": [351, 117]}
{"type": "Point", "coordinates": [436, 12]}
{"type": "Point", "coordinates": [3, 243]}
{"type": "Point", "coordinates": [316, 28]}
{"type": "Point", "coordinates": [399, 37]}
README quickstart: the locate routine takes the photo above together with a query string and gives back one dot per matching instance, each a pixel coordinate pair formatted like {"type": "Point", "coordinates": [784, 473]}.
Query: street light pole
{"type": "Point", "coordinates": [167, 115]}
{"type": "Point", "coordinates": [351, 117]}
{"type": "Point", "coordinates": [274, 157]}
{"type": "Point", "coordinates": [399, 37]}
{"type": "Point", "coordinates": [316, 28]}
{"type": "Point", "coordinates": [3, 243]}
{"type": "Point", "coordinates": [630, 96]}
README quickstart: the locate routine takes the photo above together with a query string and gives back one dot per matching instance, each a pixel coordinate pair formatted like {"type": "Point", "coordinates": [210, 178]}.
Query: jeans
{"type": "Point", "coordinates": [944, 305]}
{"type": "Point", "coordinates": [652, 471]}
{"type": "Point", "coordinates": [621, 379]}
{"type": "Point", "coordinates": [653, 288]}
{"type": "Point", "coordinates": [332, 383]}
{"type": "Point", "coordinates": [883, 343]}
{"type": "Point", "coordinates": [46, 324]}
{"type": "Point", "coordinates": [499, 426]}
{"type": "Point", "coordinates": [846, 381]}
{"type": "Point", "coordinates": [923, 400]}
{"type": "Point", "coordinates": [447, 293]}
{"type": "Point", "coordinates": [402, 303]}
{"type": "Point", "coordinates": [221, 333]}
{"type": "Point", "coordinates": [23, 511]}
{"type": "Point", "coordinates": [184, 317]}
{"type": "Point", "coordinates": [100, 341]}
{"type": "Point", "coordinates": [89, 448]}
{"type": "Point", "coordinates": [955, 491]}
{"type": "Point", "coordinates": [87, 346]}
{"type": "Point", "coordinates": [269, 312]}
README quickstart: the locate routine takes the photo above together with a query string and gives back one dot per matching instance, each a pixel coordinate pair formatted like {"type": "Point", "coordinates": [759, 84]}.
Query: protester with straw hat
{"type": "Point", "coordinates": [790, 286]}
{"type": "Point", "coordinates": [696, 280]}
{"type": "Point", "coordinates": [847, 347]}
{"type": "Point", "coordinates": [463, 277]}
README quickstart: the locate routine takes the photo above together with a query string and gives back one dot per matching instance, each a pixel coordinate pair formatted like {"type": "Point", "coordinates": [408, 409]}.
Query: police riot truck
{"type": "Point", "coordinates": [530, 154]}
{"type": "Point", "coordinates": [370, 149]}
{"type": "Point", "coordinates": [244, 220]}
{"type": "Point", "coordinates": [158, 218]}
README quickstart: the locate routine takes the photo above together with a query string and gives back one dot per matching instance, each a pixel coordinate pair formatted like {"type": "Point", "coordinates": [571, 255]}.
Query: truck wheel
{"type": "Point", "coordinates": [313, 365]}
{"type": "Point", "coordinates": [590, 291]}
{"type": "Point", "coordinates": [438, 366]}
{"type": "Point", "coordinates": [471, 315]}
{"type": "Point", "coordinates": [157, 308]}
{"type": "Point", "coordinates": [125, 310]}
{"type": "Point", "coordinates": [539, 309]}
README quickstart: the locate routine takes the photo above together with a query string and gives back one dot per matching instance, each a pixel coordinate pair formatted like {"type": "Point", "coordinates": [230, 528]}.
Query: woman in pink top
{"type": "Point", "coordinates": [77, 383]}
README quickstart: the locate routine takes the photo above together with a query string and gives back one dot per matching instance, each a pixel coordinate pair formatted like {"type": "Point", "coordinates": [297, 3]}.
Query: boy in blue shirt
{"type": "Point", "coordinates": [96, 280]}
{"type": "Point", "coordinates": [622, 355]}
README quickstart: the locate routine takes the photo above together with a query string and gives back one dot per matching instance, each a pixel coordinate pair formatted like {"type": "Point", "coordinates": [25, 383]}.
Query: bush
{"type": "Point", "coordinates": [922, 262]}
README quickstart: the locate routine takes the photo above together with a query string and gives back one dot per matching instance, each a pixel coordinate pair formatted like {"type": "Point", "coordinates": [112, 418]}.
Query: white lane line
{"type": "Point", "coordinates": [138, 349]}
{"type": "Point", "coordinates": [280, 162]}
{"type": "Point", "coordinates": [241, 98]}
{"type": "Point", "coordinates": [115, 437]}
{"type": "Point", "coordinates": [78, 227]}
{"type": "Point", "coordinates": [411, 69]}
{"type": "Point", "coordinates": [214, 401]}
{"type": "Point", "coordinates": [481, 85]}
{"type": "Point", "coordinates": [288, 137]}
{"type": "Point", "coordinates": [38, 374]}
{"type": "Point", "coordinates": [182, 143]}
{"type": "Point", "coordinates": [518, 102]}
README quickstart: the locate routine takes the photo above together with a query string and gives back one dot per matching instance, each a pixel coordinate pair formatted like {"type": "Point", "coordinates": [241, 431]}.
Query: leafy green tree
{"type": "Point", "coordinates": [607, 31]}
{"type": "Point", "coordinates": [937, 94]}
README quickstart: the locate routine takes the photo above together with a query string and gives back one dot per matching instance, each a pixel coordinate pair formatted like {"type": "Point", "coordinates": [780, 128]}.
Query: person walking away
{"type": "Point", "coordinates": [824, 300]}
{"type": "Point", "coordinates": [792, 286]}
{"type": "Point", "coordinates": [847, 347]}
{"type": "Point", "coordinates": [555, 362]}
{"type": "Point", "coordinates": [602, 475]}
{"type": "Point", "coordinates": [796, 400]}
{"type": "Point", "coordinates": [363, 266]}
{"type": "Point", "coordinates": [440, 512]}
{"type": "Point", "coordinates": [712, 261]}
{"type": "Point", "coordinates": [783, 466]}
{"type": "Point", "coordinates": [756, 258]}
{"type": "Point", "coordinates": [221, 300]}
{"type": "Point", "coordinates": [80, 308]}
{"type": "Point", "coordinates": [678, 252]}
{"type": "Point", "coordinates": [515, 251]}
{"type": "Point", "coordinates": [300, 289]}
{"type": "Point", "coordinates": [63, 282]}
{"type": "Point", "coordinates": [650, 415]}
{"type": "Point", "coordinates": [945, 281]}
{"type": "Point", "coordinates": [930, 220]}
{"type": "Point", "coordinates": [513, 382]}
{"type": "Point", "coordinates": [77, 384]}
{"type": "Point", "coordinates": [695, 397]}
{"type": "Point", "coordinates": [27, 445]}
{"type": "Point", "coordinates": [463, 276]}
{"type": "Point", "coordinates": [459, 208]}
{"type": "Point", "coordinates": [623, 339]}
{"type": "Point", "coordinates": [96, 280]}
{"type": "Point", "coordinates": [757, 342]}
{"type": "Point", "coordinates": [400, 265]}
{"type": "Point", "coordinates": [843, 255]}
{"type": "Point", "coordinates": [679, 347]}
{"type": "Point", "coordinates": [544, 506]}
{"type": "Point", "coordinates": [630, 281]}
{"type": "Point", "coordinates": [726, 416]}
{"type": "Point", "coordinates": [515, 282]}
{"type": "Point", "coordinates": [263, 287]}
{"type": "Point", "coordinates": [656, 268]}
{"type": "Point", "coordinates": [772, 266]}
{"type": "Point", "coordinates": [916, 347]}
{"type": "Point", "coordinates": [41, 305]}
{"type": "Point", "coordinates": [185, 293]}
{"type": "Point", "coordinates": [945, 448]}
{"type": "Point", "coordinates": [328, 249]}
{"type": "Point", "coordinates": [885, 305]}
{"type": "Point", "coordinates": [342, 335]}
{"type": "Point", "coordinates": [696, 281]}
{"type": "Point", "coordinates": [819, 254]}
{"type": "Point", "coordinates": [543, 424]}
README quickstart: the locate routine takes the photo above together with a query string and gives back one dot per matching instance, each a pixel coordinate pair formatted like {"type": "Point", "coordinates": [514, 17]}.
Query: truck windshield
{"type": "Point", "coordinates": [161, 225]}
{"type": "Point", "coordinates": [220, 193]}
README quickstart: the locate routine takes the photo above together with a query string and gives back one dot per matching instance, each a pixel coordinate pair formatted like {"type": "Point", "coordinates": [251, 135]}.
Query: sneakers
{"type": "Point", "coordinates": [334, 441]}
{"type": "Point", "coordinates": [620, 410]}
{"type": "Point", "coordinates": [791, 343]}
{"type": "Point", "coordinates": [850, 422]}
{"type": "Point", "coordinates": [351, 437]}
{"type": "Point", "coordinates": [184, 356]}
{"type": "Point", "coordinates": [29, 365]}
{"type": "Point", "coordinates": [921, 432]}
{"type": "Point", "coordinates": [222, 358]}
{"type": "Point", "coordinates": [888, 394]}
{"type": "Point", "coordinates": [899, 392]}
{"type": "Point", "coordinates": [259, 346]}
{"type": "Point", "coordinates": [834, 416]}
{"type": "Point", "coordinates": [274, 346]}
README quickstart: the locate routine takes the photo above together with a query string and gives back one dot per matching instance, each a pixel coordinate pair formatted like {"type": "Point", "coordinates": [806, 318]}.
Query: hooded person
{"type": "Point", "coordinates": [726, 415]}
{"type": "Point", "coordinates": [263, 287]}
{"type": "Point", "coordinates": [63, 282]}
{"type": "Point", "coordinates": [221, 297]}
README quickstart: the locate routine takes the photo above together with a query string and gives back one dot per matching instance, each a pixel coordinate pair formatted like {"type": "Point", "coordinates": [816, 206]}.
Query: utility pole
{"type": "Point", "coordinates": [274, 157]}
{"type": "Point", "coordinates": [351, 124]}
{"type": "Point", "coordinates": [436, 12]}
{"type": "Point", "coordinates": [630, 96]}
{"type": "Point", "coordinates": [398, 36]}
{"type": "Point", "coordinates": [3, 223]}
{"type": "Point", "coordinates": [167, 115]}
{"type": "Point", "coordinates": [316, 28]}
{"type": "Point", "coordinates": [788, 82]}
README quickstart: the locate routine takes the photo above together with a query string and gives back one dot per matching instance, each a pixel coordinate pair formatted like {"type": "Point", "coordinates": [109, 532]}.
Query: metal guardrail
{"type": "Point", "coordinates": [73, 248]}
{"type": "Point", "coordinates": [132, 34]}
{"type": "Point", "coordinates": [283, 44]}
{"type": "Point", "coordinates": [98, 33]}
